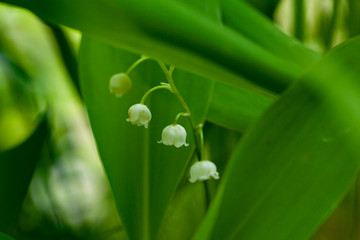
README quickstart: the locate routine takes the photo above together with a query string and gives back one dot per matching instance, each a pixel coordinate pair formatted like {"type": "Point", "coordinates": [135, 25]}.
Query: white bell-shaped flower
{"type": "Point", "coordinates": [203, 170]}
{"type": "Point", "coordinates": [174, 134]}
{"type": "Point", "coordinates": [139, 114]}
{"type": "Point", "coordinates": [120, 84]}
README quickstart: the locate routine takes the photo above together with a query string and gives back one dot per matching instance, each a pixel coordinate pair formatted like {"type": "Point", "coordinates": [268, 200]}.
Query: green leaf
{"type": "Point", "coordinates": [67, 54]}
{"type": "Point", "coordinates": [220, 144]}
{"type": "Point", "coordinates": [237, 14]}
{"type": "Point", "coordinates": [265, 6]}
{"type": "Point", "coordinates": [140, 26]}
{"type": "Point", "coordinates": [143, 174]}
{"type": "Point", "coordinates": [185, 212]}
{"type": "Point", "coordinates": [297, 162]}
{"type": "Point", "coordinates": [235, 108]}
{"type": "Point", "coordinates": [209, 8]}
{"type": "Point", "coordinates": [3, 236]}
{"type": "Point", "coordinates": [17, 166]}
{"type": "Point", "coordinates": [343, 221]}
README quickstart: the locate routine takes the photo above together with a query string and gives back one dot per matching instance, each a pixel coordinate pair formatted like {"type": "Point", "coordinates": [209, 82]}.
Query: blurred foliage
{"type": "Point", "coordinates": [61, 190]}
{"type": "Point", "coordinates": [33, 79]}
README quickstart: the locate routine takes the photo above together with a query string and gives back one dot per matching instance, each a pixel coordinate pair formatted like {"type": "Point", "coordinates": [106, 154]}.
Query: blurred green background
{"type": "Point", "coordinates": [68, 196]}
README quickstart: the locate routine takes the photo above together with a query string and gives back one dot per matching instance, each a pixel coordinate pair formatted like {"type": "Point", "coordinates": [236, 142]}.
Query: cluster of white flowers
{"type": "Point", "coordinates": [174, 134]}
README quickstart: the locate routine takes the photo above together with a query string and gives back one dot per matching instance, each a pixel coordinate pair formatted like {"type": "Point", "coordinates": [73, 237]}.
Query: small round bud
{"type": "Point", "coordinates": [120, 84]}
{"type": "Point", "coordinates": [174, 134]}
{"type": "Point", "coordinates": [203, 170]}
{"type": "Point", "coordinates": [139, 114]}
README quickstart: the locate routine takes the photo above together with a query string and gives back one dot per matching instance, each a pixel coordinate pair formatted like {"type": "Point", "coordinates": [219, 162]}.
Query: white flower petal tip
{"type": "Point", "coordinates": [175, 135]}
{"type": "Point", "coordinates": [120, 84]}
{"type": "Point", "coordinates": [203, 170]}
{"type": "Point", "coordinates": [140, 115]}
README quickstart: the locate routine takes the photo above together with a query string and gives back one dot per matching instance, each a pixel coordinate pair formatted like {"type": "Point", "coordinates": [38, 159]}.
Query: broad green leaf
{"type": "Point", "coordinates": [143, 174]}
{"type": "Point", "coordinates": [67, 54]}
{"type": "Point", "coordinates": [3, 236]}
{"type": "Point", "coordinates": [209, 8]}
{"type": "Point", "coordinates": [237, 14]}
{"type": "Point", "coordinates": [235, 108]}
{"type": "Point", "coordinates": [343, 222]}
{"type": "Point", "coordinates": [220, 144]}
{"type": "Point", "coordinates": [17, 166]}
{"type": "Point", "coordinates": [160, 29]}
{"type": "Point", "coordinates": [294, 166]}
{"type": "Point", "coordinates": [265, 6]}
{"type": "Point", "coordinates": [185, 212]}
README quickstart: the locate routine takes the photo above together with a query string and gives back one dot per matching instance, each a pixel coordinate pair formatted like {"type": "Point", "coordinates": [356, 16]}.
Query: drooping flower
{"type": "Point", "coordinates": [139, 114]}
{"type": "Point", "coordinates": [174, 134]}
{"type": "Point", "coordinates": [203, 170]}
{"type": "Point", "coordinates": [120, 84]}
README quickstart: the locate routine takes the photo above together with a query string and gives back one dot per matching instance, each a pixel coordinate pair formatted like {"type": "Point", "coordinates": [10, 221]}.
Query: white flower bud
{"type": "Point", "coordinates": [174, 134]}
{"type": "Point", "coordinates": [120, 84]}
{"type": "Point", "coordinates": [139, 114]}
{"type": "Point", "coordinates": [203, 170]}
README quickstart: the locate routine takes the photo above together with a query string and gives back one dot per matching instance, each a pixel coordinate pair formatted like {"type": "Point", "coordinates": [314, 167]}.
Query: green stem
{"type": "Point", "coordinates": [135, 64]}
{"type": "Point", "coordinates": [329, 37]}
{"type": "Point", "coordinates": [180, 115]}
{"type": "Point", "coordinates": [354, 234]}
{"type": "Point", "coordinates": [207, 194]}
{"type": "Point", "coordinates": [299, 19]}
{"type": "Point", "coordinates": [169, 78]}
{"type": "Point", "coordinates": [201, 136]}
{"type": "Point", "coordinates": [206, 186]}
{"type": "Point", "coordinates": [154, 89]}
